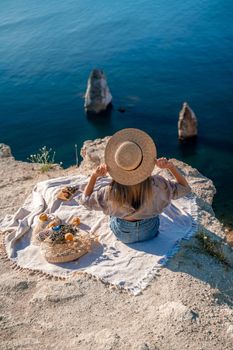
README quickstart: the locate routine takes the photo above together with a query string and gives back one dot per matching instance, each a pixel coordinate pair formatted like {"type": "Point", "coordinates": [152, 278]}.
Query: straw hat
{"type": "Point", "coordinates": [130, 156]}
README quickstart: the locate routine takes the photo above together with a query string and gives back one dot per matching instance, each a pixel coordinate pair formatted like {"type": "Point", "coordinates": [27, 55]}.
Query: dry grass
{"type": "Point", "coordinates": [212, 247]}
{"type": "Point", "coordinates": [46, 167]}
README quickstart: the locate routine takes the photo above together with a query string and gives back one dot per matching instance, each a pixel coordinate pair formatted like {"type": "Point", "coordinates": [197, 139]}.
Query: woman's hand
{"type": "Point", "coordinates": [164, 163]}
{"type": "Point", "coordinates": [101, 170]}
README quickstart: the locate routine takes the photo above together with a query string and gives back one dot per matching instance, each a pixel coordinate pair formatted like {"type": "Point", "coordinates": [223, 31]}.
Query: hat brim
{"type": "Point", "coordinates": [149, 153]}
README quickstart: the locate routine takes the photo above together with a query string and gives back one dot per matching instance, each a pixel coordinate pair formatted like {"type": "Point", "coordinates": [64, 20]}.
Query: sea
{"type": "Point", "coordinates": [156, 55]}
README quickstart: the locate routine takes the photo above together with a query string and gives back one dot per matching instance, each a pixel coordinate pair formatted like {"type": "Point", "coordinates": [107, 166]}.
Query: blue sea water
{"type": "Point", "coordinates": [156, 55]}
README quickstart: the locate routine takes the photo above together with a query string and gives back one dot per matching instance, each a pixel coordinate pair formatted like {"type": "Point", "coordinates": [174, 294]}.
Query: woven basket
{"type": "Point", "coordinates": [59, 252]}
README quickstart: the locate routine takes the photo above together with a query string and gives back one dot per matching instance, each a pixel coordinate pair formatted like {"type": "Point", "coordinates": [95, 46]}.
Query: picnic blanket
{"type": "Point", "coordinates": [126, 266]}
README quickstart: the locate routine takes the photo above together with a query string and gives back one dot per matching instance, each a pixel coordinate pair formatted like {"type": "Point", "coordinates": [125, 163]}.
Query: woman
{"type": "Point", "coordinates": [134, 198]}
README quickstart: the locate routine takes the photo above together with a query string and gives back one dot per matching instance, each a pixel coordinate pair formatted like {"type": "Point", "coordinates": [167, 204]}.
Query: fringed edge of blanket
{"type": "Point", "coordinates": [147, 279]}
{"type": "Point", "coordinates": [15, 266]}
{"type": "Point", "coordinates": [189, 234]}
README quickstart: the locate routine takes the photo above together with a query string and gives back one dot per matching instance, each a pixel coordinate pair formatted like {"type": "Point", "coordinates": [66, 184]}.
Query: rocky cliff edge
{"type": "Point", "coordinates": [190, 305]}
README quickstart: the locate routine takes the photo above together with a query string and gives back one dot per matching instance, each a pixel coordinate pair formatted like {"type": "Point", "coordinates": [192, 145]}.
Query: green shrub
{"type": "Point", "coordinates": [45, 157]}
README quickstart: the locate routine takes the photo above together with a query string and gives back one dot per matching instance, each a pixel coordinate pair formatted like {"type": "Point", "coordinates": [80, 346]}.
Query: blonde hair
{"type": "Point", "coordinates": [133, 195]}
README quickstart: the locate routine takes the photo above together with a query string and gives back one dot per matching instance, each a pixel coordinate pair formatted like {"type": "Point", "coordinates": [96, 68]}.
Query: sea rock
{"type": "Point", "coordinates": [187, 123]}
{"type": "Point", "coordinates": [122, 109]}
{"type": "Point", "coordinates": [98, 96]}
{"type": "Point", "coordinates": [5, 151]}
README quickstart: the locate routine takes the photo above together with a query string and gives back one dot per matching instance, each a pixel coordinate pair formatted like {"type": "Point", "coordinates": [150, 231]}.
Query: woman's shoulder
{"type": "Point", "coordinates": [103, 184]}
{"type": "Point", "coordinates": [158, 181]}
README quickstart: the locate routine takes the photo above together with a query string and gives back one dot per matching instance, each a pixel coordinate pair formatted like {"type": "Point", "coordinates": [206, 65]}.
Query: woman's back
{"type": "Point", "coordinates": [114, 199]}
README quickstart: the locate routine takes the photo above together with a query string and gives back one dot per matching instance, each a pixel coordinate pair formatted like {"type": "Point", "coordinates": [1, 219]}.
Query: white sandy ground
{"type": "Point", "coordinates": [188, 306]}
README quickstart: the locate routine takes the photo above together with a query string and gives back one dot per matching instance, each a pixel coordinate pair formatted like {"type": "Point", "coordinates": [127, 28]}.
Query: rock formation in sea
{"type": "Point", "coordinates": [187, 123]}
{"type": "Point", "coordinates": [98, 97]}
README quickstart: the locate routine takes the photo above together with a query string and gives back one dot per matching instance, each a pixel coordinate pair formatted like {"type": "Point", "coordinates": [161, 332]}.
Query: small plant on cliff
{"type": "Point", "coordinates": [212, 247]}
{"type": "Point", "coordinates": [45, 157]}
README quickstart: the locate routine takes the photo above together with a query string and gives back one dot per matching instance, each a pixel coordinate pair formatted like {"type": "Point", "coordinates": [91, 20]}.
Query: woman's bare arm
{"type": "Point", "coordinates": [163, 163]}
{"type": "Point", "coordinates": [100, 171]}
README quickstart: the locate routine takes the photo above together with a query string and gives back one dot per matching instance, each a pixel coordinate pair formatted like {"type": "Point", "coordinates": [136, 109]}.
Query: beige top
{"type": "Point", "coordinates": [163, 192]}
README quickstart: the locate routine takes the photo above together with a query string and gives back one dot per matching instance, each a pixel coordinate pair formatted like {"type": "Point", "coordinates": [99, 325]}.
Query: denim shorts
{"type": "Point", "coordinates": [135, 231]}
